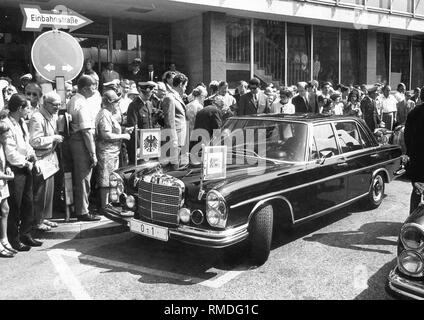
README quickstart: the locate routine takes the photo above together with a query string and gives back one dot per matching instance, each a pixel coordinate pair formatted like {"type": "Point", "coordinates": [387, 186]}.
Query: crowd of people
{"type": "Point", "coordinates": [104, 112]}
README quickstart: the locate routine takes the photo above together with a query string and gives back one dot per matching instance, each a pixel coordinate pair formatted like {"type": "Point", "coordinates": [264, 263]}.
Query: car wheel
{"type": "Point", "coordinates": [260, 231]}
{"type": "Point", "coordinates": [375, 197]}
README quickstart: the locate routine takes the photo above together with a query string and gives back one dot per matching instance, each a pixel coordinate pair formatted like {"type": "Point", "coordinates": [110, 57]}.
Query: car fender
{"type": "Point", "coordinates": [280, 202]}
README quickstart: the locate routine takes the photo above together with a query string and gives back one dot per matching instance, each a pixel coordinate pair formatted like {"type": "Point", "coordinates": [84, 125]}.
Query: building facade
{"type": "Point", "coordinates": [279, 41]}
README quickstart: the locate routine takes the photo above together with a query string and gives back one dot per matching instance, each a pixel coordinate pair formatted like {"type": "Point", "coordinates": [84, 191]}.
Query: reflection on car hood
{"type": "Point", "coordinates": [246, 174]}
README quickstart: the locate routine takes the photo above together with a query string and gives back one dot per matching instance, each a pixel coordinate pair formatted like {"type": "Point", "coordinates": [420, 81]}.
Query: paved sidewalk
{"type": "Point", "coordinates": [81, 229]}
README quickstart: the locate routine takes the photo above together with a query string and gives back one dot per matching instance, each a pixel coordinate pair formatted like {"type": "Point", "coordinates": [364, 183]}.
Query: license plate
{"type": "Point", "coordinates": [149, 230]}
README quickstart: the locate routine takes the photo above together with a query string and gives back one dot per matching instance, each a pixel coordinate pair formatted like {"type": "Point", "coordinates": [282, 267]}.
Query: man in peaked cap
{"type": "Point", "coordinates": [369, 108]}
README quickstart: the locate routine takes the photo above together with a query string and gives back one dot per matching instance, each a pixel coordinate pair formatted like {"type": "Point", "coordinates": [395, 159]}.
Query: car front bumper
{"type": "Point", "coordinates": [191, 235]}
{"type": "Point", "coordinates": [402, 286]}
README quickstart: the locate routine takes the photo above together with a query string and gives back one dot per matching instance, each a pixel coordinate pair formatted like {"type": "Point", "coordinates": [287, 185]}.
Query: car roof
{"type": "Point", "coordinates": [303, 117]}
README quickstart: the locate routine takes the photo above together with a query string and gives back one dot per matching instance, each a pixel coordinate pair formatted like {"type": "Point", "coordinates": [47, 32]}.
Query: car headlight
{"type": "Point", "coordinates": [411, 263]}
{"type": "Point", "coordinates": [184, 215]}
{"type": "Point", "coordinates": [412, 237]}
{"type": "Point", "coordinates": [114, 179]}
{"type": "Point", "coordinates": [216, 209]}
{"type": "Point", "coordinates": [130, 202]}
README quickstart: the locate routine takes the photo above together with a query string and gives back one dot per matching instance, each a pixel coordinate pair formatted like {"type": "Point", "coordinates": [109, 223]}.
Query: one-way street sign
{"type": "Point", "coordinates": [61, 17]}
{"type": "Point", "coordinates": [56, 53]}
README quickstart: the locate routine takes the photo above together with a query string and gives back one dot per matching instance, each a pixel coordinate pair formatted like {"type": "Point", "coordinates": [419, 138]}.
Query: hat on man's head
{"type": "Point", "coordinates": [27, 76]}
{"type": "Point", "coordinates": [113, 83]}
{"type": "Point", "coordinates": [133, 90]}
{"type": "Point", "coordinates": [147, 84]}
{"type": "Point", "coordinates": [327, 83]}
{"type": "Point", "coordinates": [371, 89]}
{"type": "Point", "coordinates": [111, 96]}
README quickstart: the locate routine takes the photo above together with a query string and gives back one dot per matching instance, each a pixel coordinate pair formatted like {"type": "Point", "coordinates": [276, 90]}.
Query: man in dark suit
{"type": "Point", "coordinates": [253, 102]}
{"type": "Point", "coordinates": [301, 101]}
{"type": "Point", "coordinates": [369, 109]}
{"type": "Point", "coordinates": [174, 111]}
{"type": "Point", "coordinates": [140, 113]}
{"type": "Point", "coordinates": [150, 74]}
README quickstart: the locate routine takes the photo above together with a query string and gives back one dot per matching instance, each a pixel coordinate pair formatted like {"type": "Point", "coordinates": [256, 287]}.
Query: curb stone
{"type": "Point", "coordinates": [80, 229]}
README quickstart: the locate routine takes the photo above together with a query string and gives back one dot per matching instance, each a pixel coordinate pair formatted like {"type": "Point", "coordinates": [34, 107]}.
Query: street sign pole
{"type": "Point", "coordinates": [58, 57]}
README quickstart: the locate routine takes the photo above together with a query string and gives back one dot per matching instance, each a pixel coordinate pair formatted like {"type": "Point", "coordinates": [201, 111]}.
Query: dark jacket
{"type": "Point", "coordinates": [370, 113]}
{"type": "Point", "coordinates": [247, 105]}
{"type": "Point", "coordinates": [209, 118]}
{"type": "Point", "coordinates": [140, 113]}
{"type": "Point", "coordinates": [414, 141]}
{"type": "Point", "coordinates": [301, 106]}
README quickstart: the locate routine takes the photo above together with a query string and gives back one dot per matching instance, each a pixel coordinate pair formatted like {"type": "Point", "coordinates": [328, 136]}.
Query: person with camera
{"type": "Point", "coordinates": [21, 158]}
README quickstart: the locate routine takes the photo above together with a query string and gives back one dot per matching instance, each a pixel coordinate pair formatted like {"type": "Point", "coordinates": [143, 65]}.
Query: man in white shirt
{"type": "Point", "coordinates": [283, 104]}
{"type": "Point", "coordinates": [21, 158]}
{"type": "Point", "coordinates": [82, 146]}
{"type": "Point", "coordinates": [388, 107]}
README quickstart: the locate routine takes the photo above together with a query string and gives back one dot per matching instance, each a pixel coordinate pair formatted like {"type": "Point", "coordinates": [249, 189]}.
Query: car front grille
{"type": "Point", "coordinates": [158, 202]}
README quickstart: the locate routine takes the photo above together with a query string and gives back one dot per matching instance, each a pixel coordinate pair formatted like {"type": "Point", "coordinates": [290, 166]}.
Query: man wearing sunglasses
{"type": "Point", "coordinates": [140, 114]}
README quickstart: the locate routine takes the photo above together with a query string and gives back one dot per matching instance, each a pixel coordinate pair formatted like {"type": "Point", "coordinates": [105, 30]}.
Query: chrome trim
{"type": "Point", "coordinates": [324, 212]}
{"type": "Point", "coordinates": [260, 203]}
{"type": "Point", "coordinates": [399, 285]}
{"type": "Point", "coordinates": [336, 176]}
{"type": "Point", "coordinates": [211, 233]}
{"type": "Point", "coordinates": [419, 227]}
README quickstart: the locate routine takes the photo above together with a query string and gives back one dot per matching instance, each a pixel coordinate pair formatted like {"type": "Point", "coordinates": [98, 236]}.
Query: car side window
{"type": "Point", "coordinates": [364, 138]}
{"type": "Point", "coordinates": [348, 136]}
{"type": "Point", "coordinates": [323, 141]}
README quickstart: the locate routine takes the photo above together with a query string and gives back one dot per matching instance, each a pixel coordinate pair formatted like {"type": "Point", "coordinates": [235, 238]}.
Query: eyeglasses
{"type": "Point", "coordinates": [32, 94]}
{"type": "Point", "coordinates": [54, 104]}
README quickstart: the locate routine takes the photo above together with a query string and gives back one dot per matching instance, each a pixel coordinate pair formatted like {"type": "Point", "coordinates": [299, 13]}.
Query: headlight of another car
{"type": "Point", "coordinates": [412, 237]}
{"type": "Point", "coordinates": [216, 209]}
{"type": "Point", "coordinates": [411, 263]}
{"type": "Point", "coordinates": [116, 182]}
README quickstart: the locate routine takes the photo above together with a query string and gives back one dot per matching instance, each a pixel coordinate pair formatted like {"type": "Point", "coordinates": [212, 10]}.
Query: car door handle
{"type": "Point", "coordinates": [375, 155]}
{"type": "Point", "coordinates": [342, 164]}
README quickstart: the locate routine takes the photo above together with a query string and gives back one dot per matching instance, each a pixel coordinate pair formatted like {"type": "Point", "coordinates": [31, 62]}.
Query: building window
{"type": "Point", "coordinates": [383, 56]}
{"type": "Point", "coordinates": [419, 7]}
{"type": "Point", "coordinates": [299, 50]}
{"type": "Point", "coordinates": [417, 63]}
{"type": "Point", "coordinates": [382, 4]}
{"type": "Point", "coordinates": [351, 57]}
{"type": "Point", "coordinates": [325, 64]}
{"type": "Point", "coordinates": [270, 51]}
{"type": "Point", "coordinates": [238, 40]}
{"type": "Point", "coordinates": [400, 61]}
{"type": "Point", "coordinates": [403, 5]}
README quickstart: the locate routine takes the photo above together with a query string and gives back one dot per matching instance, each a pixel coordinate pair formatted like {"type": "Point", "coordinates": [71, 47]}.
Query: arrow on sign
{"type": "Point", "coordinates": [67, 68]}
{"type": "Point", "coordinates": [35, 18]}
{"type": "Point", "coordinates": [49, 67]}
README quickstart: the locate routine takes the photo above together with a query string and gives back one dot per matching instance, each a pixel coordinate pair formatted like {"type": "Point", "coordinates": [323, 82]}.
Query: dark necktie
{"type": "Point", "coordinates": [21, 123]}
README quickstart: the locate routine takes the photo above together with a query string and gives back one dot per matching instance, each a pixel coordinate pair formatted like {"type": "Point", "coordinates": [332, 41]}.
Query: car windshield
{"type": "Point", "coordinates": [268, 139]}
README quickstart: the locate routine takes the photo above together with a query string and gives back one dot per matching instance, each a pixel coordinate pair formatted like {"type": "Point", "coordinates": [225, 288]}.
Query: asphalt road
{"type": "Point", "coordinates": [345, 255]}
